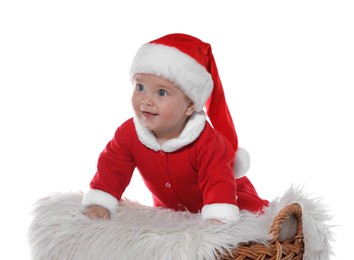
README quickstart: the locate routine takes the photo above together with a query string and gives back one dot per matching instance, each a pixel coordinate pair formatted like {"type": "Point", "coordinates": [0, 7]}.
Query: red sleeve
{"type": "Point", "coordinates": [215, 160]}
{"type": "Point", "coordinates": [115, 164]}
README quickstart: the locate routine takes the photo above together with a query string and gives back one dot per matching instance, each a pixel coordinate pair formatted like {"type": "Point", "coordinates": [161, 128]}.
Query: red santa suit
{"type": "Point", "coordinates": [193, 172]}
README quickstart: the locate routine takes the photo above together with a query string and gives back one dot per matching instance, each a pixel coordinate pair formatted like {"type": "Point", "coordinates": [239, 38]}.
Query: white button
{"type": "Point", "coordinates": [168, 185]}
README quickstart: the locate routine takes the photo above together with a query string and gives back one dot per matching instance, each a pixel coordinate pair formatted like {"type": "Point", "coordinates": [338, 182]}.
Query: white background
{"type": "Point", "coordinates": [286, 66]}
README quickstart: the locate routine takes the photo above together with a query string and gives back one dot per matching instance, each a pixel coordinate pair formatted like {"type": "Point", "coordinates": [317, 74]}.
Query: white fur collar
{"type": "Point", "coordinates": [190, 133]}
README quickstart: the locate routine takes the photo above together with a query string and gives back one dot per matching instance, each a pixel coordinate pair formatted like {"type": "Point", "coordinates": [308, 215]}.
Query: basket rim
{"type": "Point", "coordinates": [294, 209]}
{"type": "Point", "coordinates": [274, 248]}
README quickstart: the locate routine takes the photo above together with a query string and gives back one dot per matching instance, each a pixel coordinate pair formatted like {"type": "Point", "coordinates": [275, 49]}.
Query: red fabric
{"type": "Point", "coordinates": [248, 197]}
{"type": "Point", "coordinates": [218, 111]}
{"type": "Point", "coordinates": [181, 180]}
{"type": "Point", "coordinates": [192, 46]}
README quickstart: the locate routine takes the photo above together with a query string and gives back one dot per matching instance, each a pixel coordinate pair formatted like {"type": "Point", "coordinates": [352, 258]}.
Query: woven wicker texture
{"type": "Point", "coordinates": [275, 250]}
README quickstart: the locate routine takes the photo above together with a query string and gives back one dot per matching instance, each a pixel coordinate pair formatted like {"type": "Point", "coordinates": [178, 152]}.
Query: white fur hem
{"type": "Point", "coordinates": [221, 211]}
{"type": "Point", "coordinates": [98, 197]}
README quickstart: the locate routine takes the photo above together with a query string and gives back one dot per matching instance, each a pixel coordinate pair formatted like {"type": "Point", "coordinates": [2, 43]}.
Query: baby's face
{"type": "Point", "coordinates": [161, 106]}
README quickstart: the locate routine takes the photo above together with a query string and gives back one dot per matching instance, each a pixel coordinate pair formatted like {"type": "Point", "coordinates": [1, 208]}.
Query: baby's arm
{"type": "Point", "coordinates": [96, 212]}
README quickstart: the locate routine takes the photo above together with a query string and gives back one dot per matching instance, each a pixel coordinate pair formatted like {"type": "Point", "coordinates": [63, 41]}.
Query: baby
{"type": "Point", "coordinates": [186, 162]}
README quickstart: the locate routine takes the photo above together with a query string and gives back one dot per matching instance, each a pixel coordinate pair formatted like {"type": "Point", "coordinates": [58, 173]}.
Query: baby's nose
{"type": "Point", "coordinates": [147, 100]}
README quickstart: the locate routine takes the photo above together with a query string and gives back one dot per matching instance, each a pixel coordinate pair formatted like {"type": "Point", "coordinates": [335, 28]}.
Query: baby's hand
{"type": "Point", "coordinates": [96, 212]}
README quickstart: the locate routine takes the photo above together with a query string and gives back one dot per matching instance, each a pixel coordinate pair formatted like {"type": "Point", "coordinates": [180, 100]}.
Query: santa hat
{"type": "Point", "coordinates": [189, 63]}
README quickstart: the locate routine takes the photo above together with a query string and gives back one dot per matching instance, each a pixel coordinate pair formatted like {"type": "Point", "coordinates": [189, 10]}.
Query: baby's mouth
{"type": "Point", "coordinates": [148, 114]}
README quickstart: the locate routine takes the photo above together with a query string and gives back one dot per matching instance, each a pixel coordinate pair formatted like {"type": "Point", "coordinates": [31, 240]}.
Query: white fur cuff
{"type": "Point", "coordinates": [98, 197]}
{"type": "Point", "coordinates": [221, 211]}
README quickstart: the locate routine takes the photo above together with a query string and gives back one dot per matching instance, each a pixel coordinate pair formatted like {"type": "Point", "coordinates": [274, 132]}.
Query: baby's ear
{"type": "Point", "coordinates": [190, 108]}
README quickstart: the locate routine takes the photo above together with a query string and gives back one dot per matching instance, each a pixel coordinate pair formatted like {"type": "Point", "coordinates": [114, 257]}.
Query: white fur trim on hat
{"type": "Point", "coordinates": [177, 67]}
{"type": "Point", "coordinates": [221, 211]}
{"type": "Point", "coordinates": [99, 197]}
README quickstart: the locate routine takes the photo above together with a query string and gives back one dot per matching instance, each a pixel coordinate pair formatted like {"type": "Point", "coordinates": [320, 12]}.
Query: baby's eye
{"type": "Point", "coordinates": [162, 92]}
{"type": "Point", "coordinates": [139, 87]}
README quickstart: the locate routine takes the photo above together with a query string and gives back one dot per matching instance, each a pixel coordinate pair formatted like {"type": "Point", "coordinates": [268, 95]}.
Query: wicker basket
{"type": "Point", "coordinates": [275, 249]}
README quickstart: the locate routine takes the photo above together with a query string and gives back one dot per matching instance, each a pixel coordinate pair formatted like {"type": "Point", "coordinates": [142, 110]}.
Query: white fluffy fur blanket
{"type": "Point", "coordinates": [59, 230]}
